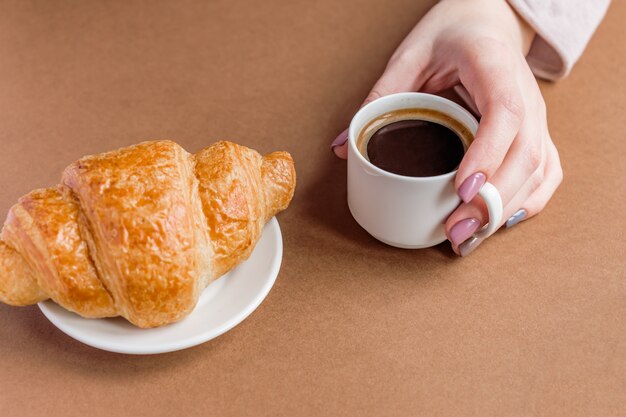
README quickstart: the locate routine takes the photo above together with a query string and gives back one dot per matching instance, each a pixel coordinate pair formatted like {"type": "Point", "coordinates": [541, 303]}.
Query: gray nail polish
{"type": "Point", "coordinates": [517, 217]}
{"type": "Point", "coordinates": [469, 245]}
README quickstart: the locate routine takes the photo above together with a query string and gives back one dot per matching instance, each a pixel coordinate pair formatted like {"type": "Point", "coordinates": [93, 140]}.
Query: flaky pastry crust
{"type": "Point", "coordinates": [139, 232]}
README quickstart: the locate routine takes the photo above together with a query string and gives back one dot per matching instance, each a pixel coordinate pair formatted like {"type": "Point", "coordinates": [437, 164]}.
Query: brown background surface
{"type": "Point", "coordinates": [531, 324]}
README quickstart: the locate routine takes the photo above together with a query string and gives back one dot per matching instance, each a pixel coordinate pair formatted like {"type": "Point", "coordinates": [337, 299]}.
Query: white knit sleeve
{"type": "Point", "coordinates": [563, 27]}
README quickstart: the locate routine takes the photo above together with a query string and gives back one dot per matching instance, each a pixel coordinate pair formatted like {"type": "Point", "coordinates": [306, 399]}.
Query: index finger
{"type": "Point", "coordinates": [492, 83]}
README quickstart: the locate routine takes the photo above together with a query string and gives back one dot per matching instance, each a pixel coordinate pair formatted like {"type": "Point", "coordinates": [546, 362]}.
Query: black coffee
{"type": "Point", "coordinates": [415, 148]}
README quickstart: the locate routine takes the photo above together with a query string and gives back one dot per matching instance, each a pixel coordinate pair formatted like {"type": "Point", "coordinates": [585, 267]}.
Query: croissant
{"type": "Point", "coordinates": [139, 232]}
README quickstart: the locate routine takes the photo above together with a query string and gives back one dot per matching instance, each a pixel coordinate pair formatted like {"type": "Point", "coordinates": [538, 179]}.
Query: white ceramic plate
{"type": "Point", "coordinates": [222, 305]}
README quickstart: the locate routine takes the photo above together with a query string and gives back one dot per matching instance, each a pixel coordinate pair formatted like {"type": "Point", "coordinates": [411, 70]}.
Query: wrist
{"type": "Point", "coordinates": [493, 15]}
{"type": "Point", "coordinates": [525, 33]}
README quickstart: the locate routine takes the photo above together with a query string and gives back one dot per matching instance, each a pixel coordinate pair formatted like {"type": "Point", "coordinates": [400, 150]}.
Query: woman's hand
{"type": "Point", "coordinates": [481, 45]}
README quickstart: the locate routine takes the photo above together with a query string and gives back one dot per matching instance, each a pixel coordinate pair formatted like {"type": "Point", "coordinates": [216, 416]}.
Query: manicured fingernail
{"type": "Point", "coordinates": [517, 217]}
{"type": "Point", "coordinates": [340, 140]}
{"type": "Point", "coordinates": [471, 185]}
{"type": "Point", "coordinates": [469, 245]}
{"type": "Point", "coordinates": [462, 230]}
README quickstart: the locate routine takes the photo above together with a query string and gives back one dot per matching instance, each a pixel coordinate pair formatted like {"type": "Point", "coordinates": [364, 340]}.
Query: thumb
{"type": "Point", "coordinates": [404, 72]}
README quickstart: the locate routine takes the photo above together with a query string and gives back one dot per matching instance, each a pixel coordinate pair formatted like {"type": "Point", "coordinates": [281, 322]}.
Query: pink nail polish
{"type": "Point", "coordinates": [463, 230]}
{"type": "Point", "coordinates": [471, 185]}
{"type": "Point", "coordinates": [340, 140]}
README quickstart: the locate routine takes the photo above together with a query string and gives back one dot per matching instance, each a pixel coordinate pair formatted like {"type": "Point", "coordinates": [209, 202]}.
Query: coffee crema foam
{"type": "Point", "coordinates": [429, 115]}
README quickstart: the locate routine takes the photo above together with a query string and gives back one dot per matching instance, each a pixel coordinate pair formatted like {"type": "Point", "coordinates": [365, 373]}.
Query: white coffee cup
{"type": "Point", "coordinates": [408, 212]}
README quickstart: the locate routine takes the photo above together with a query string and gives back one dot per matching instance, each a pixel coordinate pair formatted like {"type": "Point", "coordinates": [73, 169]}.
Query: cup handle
{"type": "Point", "coordinates": [493, 201]}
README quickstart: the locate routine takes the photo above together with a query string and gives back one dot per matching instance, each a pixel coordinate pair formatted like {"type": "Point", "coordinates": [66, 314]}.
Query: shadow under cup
{"type": "Point", "coordinates": [402, 211]}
